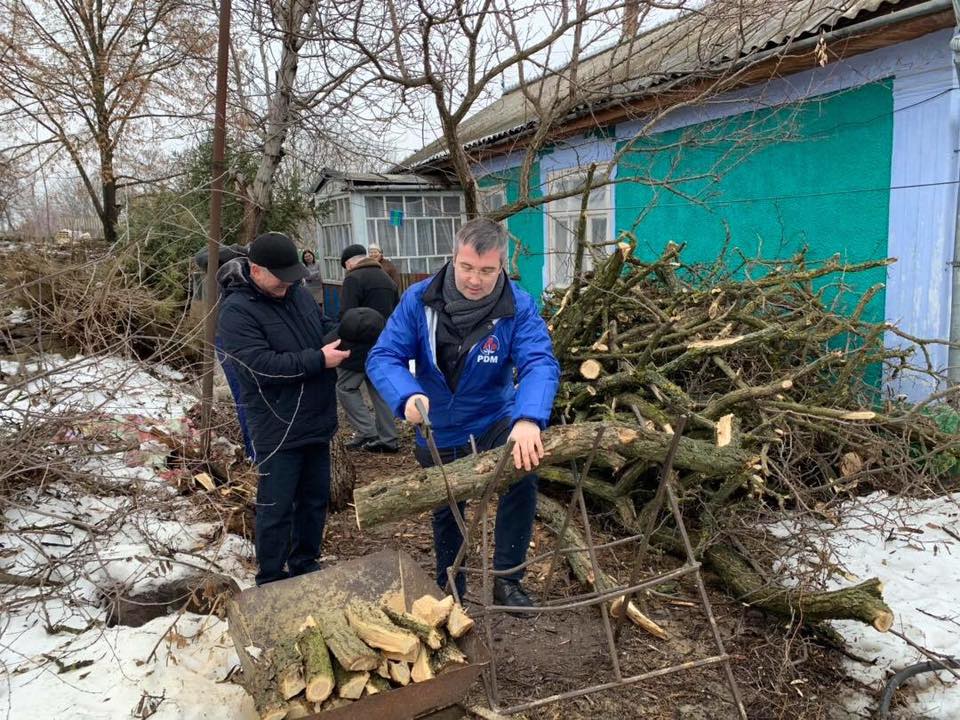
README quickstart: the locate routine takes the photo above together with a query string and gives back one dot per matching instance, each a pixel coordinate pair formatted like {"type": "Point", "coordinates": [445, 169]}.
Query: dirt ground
{"type": "Point", "coordinates": [780, 674]}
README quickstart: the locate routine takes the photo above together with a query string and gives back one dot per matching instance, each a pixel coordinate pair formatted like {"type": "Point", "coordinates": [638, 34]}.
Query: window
{"type": "Point", "coordinates": [336, 232]}
{"type": "Point", "coordinates": [491, 199]}
{"type": "Point", "coordinates": [563, 216]}
{"type": "Point", "coordinates": [423, 240]}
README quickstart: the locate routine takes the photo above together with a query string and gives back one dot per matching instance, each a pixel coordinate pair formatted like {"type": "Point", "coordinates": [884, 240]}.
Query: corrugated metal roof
{"type": "Point", "coordinates": [721, 32]}
{"type": "Point", "coordinates": [358, 180]}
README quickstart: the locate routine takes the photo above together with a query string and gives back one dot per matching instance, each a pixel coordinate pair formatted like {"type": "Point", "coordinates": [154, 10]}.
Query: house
{"type": "Point", "coordinates": [830, 125]}
{"type": "Point", "coordinates": [413, 219]}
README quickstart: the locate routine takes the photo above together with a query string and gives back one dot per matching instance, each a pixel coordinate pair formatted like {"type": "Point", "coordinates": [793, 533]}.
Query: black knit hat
{"type": "Point", "coordinates": [358, 332]}
{"type": "Point", "coordinates": [351, 251]}
{"type": "Point", "coordinates": [277, 253]}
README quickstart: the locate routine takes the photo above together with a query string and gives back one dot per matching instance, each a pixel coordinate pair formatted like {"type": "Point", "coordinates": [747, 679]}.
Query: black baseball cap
{"type": "Point", "coordinates": [351, 251]}
{"type": "Point", "coordinates": [277, 253]}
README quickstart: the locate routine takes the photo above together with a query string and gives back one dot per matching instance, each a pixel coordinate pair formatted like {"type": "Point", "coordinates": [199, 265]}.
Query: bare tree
{"type": "Point", "coordinates": [87, 81]}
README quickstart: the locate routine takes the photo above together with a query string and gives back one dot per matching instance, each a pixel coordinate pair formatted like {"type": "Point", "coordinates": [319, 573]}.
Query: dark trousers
{"type": "Point", "coordinates": [230, 372]}
{"type": "Point", "coordinates": [515, 513]}
{"type": "Point", "coordinates": [292, 500]}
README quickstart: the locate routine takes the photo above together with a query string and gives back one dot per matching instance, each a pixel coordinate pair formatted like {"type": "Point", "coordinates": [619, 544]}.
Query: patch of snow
{"type": "Point", "coordinates": [913, 547]}
{"type": "Point", "coordinates": [17, 316]}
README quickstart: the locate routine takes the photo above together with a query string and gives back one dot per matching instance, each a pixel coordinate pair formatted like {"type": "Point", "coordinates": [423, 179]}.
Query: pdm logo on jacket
{"type": "Point", "coordinates": [488, 351]}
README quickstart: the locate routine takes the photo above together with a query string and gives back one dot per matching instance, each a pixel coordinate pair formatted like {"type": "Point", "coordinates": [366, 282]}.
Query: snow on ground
{"type": "Point", "coordinates": [131, 530]}
{"type": "Point", "coordinates": [17, 316]}
{"type": "Point", "coordinates": [913, 546]}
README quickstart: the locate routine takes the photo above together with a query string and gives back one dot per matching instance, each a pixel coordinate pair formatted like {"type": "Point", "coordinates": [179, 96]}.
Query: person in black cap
{"type": "Point", "coordinates": [273, 332]}
{"type": "Point", "coordinates": [366, 285]}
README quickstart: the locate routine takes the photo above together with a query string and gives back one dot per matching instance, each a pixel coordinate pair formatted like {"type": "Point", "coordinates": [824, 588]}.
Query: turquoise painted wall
{"type": "Point", "coordinates": [526, 225]}
{"type": "Point", "coordinates": [815, 174]}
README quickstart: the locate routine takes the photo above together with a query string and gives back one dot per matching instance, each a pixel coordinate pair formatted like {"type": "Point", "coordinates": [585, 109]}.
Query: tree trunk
{"type": "Point", "coordinates": [343, 475]}
{"type": "Point", "coordinates": [408, 495]}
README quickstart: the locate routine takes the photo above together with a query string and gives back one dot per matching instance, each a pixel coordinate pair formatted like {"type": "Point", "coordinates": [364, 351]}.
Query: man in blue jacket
{"type": "Point", "coordinates": [272, 332]}
{"type": "Point", "coordinates": [469, 327]}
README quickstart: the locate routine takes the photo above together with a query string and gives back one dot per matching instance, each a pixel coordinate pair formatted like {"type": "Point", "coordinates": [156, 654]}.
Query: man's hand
{"type": "Point", "coordinates": [410, 411]}
{"type": "Point", "coordinates": [333, 357]}
{"type": "Point", "coordinates": [527, 447]}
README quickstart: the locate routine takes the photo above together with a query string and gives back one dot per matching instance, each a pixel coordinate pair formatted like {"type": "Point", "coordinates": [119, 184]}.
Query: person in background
{"type": "Point", "coordinates": [388, 267]}
{"type": "Point", "coordinates": [365, 285]}
{"type": "Point", "coordinates": [272, 331]}
{"type": "Point", "coordinates": [309, 261]}
{"type": "Point", "coordinates": [470, 328]}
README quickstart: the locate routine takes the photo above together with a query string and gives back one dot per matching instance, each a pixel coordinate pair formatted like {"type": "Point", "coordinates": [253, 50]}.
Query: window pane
{"type": "Point", "coordinates": [451, 204]}
{"type": "Point", "coordinates": [418, 265]}
{"type": "Point", "coordinates": [414, 206]}
{"type": "Point", "coordinates": [432, 206]}
{"type": "Point", "coordinates": [445, 237]}
{"type": "Point", "coordinates": [403, 265]}
{"type": "Point", "coordinates": [425, 238]}
{"type": "Point", "coordinates": [375, 207]}
{"type": "Point", "coordinates": [372, 231]}
{"type": "Point", "coordinates": [394, 202]}
{"type": "Point", "coordinates": [387, 236]}
{"type": "Point", "coordinates": [598, 229]}
{"type": "Point", "coordinates": [408, 244]}
{"type": "Point", "coordinates": [436, 263]}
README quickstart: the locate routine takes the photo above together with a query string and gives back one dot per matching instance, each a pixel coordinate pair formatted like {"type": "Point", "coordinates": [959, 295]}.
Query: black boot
{"type": "Point", "coordinates": [510, 593]}
{"type": "Point", "coordinates": [358, 442]}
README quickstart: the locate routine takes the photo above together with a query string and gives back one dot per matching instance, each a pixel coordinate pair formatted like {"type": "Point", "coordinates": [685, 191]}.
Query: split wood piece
{"type": "Point", "coordinates": [377, 684]}
{"type": "Point", "coordinates": [349, 650]}
{"type": "Point", "coordinates": [432, 611]}
{"type": "Point", "coordinates": [591, 369]}
{"type": "Point", "coordinates": [384, 669]}
{"type": "Point", "coordinates": [447, 658]}
{"type": "Point", "coordinates": [551, 513]}
{"type": "Point", "coordinates": [400, 671]}
{"type": "Point", "coordinates": [298, 708]}
{"type": "Point", "coordinates": [266, 697]}
{"type": "Point", "coordinates": [426, 632]}
{"type": "Point", "coordinates": [422, 670]}
{"type": "Point", "coordinates": [350, 685]}
{"type": "Point", "coordinates": [459, 623]}
{"type": "Point", "coordinates": [408, 495]}
{"type": "Point", "coordinates": [289, 667]}
{"type": "Point", "coordinates": [403, 657]}
{"type": "Point", "coordinates": [395, 601]}
{"type": "Point", "coordinates": [374, 627]}
{"type": "Point", "coordinates": [318, 670]}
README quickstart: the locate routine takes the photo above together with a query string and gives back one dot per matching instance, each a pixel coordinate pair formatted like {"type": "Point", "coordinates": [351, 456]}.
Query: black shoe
{"type": "Point", "coordinates": [376, 446]}
{"type": "Point", "coordinates": [510, 593]}
{"type": "Point", "coordinates": [358, 443]}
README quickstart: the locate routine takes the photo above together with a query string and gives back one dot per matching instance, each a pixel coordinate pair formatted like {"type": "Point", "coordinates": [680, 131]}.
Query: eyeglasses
{"type": "Point", "coordinates": [486, 273]}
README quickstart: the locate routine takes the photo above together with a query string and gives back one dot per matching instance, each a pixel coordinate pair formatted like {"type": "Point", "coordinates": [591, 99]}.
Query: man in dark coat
{"type": "Point", "coordinates": [272, 331]}
{"type": "Point", "coordinates": [366, 285]}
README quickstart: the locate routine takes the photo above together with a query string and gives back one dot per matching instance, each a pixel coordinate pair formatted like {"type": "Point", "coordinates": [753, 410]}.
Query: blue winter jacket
{"type": "Point", "coordinates": [485, 391]}
{"type": "Point", "coordinates": [274, 345]}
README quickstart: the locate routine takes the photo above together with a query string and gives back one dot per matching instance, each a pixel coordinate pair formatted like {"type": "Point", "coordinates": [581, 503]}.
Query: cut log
{"type": "Point", "coordinates": [447, 658]}
{"type": "Point", "coordinates": [298, 708]}
{"type": "Point", "coordinates": [289, 671]}
{"type": "Point", "coordinates": [432, 611]}
{"type": "Point", "coordinates": [400, 671]}
{"type": "Point", "coordinates": [350, 685]}
{"type": "Point", "coordinates": [408, 495]}
{"type": "Point", "coordinates": [384, 669]}
{"type": "Point", "coordinates": [266, 698]}
{"type": "Point", "coordinates": [591, 369]}
{"type": "Point", "coordinates": [377, 684]}
{"type": "Point", "coordinates": [395, 601]}
{"type": "Point", "coordinates": [427, 633]}
{"type": "Point", "coordinates": [332, 703]}
{"type": "Point", "coordinates": [403, 657]}
{"type": "Point", "coordinates": [317, 668]}
{"type": "Point", "coordinates": [374, 627]}
{"type": "Point", "coordinates": [551, 513]}
{"type": "Point", "coordinates": [422, 670]}
{"type": "Point", "coordinates": [349, 650]}
{"type": "Point", "coordinates": [459, 623]}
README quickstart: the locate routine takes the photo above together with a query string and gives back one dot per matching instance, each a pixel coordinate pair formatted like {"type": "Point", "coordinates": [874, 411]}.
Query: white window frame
{"type": "Point", "coordinates": [486, 194]}
{"type": "Point", "coordinates": [559, 266]}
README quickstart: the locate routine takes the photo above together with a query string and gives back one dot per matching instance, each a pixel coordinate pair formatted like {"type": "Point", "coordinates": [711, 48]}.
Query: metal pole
{"type": "Point", "coordinates": [213, 241]}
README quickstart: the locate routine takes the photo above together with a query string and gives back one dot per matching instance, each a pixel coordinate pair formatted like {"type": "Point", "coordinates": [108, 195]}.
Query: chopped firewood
{"type": "Point", "coordinates": [395, 602]}
{"type": "Point", "coordinates": [403, 657]}
{"type": "Point", "coordinates": [377, 684]}
{"type": "Point", "coordinates": [331, 703]}
{"type": "Point", "coordinates": [289, 668]}
{"type": "Point", "coordinates": [374, 627]}
{"type": "Point", "coordinates": [427, 633]}
{"type": "Point", "coordinates": [638, 618]}
{"type": "Point", "coordinates": [590, 369]}
{"type": "Point", "coordinates": [318, 670]}
{"type": "Point", "coordinates": [459, 623]}
{"type": "Point", "coordinates": [298, 708]}
{"type": "Point", "coordinates": [270, 705]}
{"type": "Point", "coordinates": [421, 670]}
{"type": "Point", "coordinates": [350, 685]}
{"type": "Point", "coordinates": [400, 672]}
{"type": "Point", "coordinates": [349, 650]}
{"type": "Point", "coordinates": [447, 658]}
{"type": "Point", "coordinates": [724, 430]}
{"type": "Point", "coordinates": [384, 669]}
{"type": "Point", "coordinates": [432, 611]}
